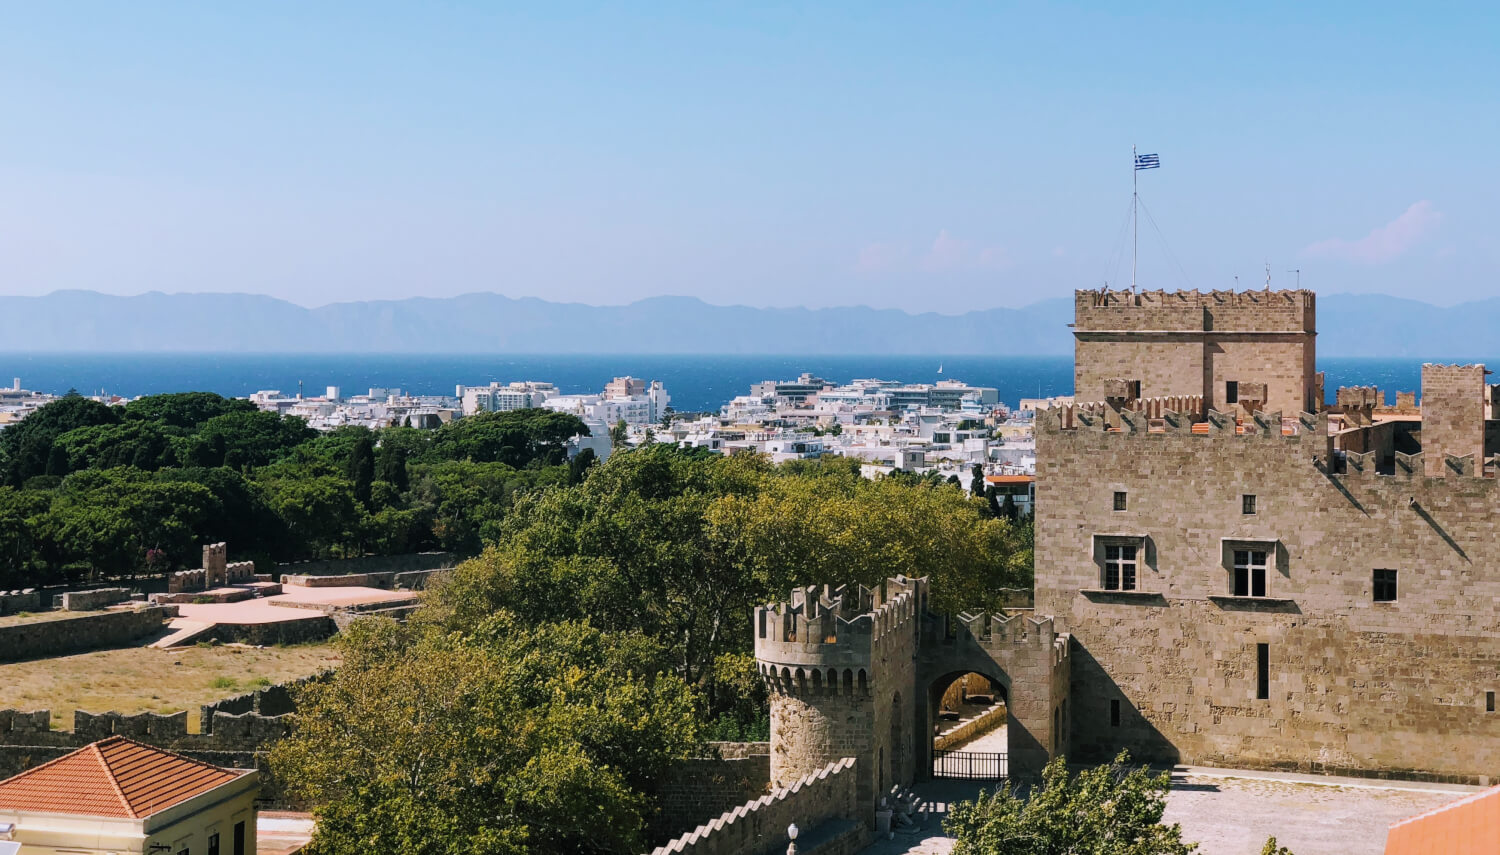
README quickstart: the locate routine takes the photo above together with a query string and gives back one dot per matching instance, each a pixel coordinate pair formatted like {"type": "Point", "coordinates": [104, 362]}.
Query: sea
{"type": "Point", "coordinates": [696, 383]}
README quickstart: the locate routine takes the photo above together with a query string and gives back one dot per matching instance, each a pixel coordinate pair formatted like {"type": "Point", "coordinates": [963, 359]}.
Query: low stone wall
{"type": "Point", "coordinates": [56, 637]}
{"type": "Point", "coordinates": [416, 580]}
{"type": "Point", "coordinates": [275, 700]}
{"type": "Point", "coordinates": [28, 600]}
{"type": "Point", "coordinates": [371, 564]}
{"type": "Point", "coordinates": [967, 730]}
{"type": "Point", "coordinates": [698, 790]}
{"type": "Point", "coordinates": [822, 803]}
{"type": "Point", "coordinates": [93, 600]}
{"type": "Point", "coordinates": [347, 580]}
{"type": "Point", "coordinates": [271, 634]}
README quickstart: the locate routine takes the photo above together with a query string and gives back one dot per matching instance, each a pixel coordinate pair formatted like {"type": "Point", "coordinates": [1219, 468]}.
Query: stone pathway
{"type": "Point", "coordinates": [1232, 812]}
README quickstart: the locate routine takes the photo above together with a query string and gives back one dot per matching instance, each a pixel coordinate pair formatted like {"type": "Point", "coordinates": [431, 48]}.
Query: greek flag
{"type": "Point", "coordinates": [1147, 161]}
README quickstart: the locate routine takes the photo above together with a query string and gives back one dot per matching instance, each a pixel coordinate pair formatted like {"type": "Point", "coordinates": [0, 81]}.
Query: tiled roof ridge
{"type": "Point", "coordinates": [109, 772]}
{"type": "Point", "coordinates": [139, 780]}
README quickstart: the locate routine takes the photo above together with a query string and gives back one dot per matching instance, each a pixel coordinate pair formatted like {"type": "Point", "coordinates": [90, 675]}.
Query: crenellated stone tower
{"type": "Point", "coordinates": [858, 672]}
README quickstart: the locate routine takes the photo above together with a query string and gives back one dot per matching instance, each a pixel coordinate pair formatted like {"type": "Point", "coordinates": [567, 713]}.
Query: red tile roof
{"type": "Point", "coordinates": [115, 777]}
{"type": "Point", "coordinates": [1469, 826]}
{"type": "Point", "coordinates": [1010, 479]}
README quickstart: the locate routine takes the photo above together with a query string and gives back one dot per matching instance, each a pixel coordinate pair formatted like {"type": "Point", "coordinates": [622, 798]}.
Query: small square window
{"type": "Point", "coordinates": [1247, 504]}
{"type": "Point", "coordinates": [1119, 500]}
{"type": "Point", "coordinates": [1231, 392]}
{"type": "Point", "coordinates": [1385, 586]}
{"type": "Point", "coordinates": [1114, 713]}
{"type": "Point", "coordinates": [1250, 572]}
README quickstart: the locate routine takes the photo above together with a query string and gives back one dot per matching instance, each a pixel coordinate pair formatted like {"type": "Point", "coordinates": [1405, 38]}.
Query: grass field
{"type": "Point", "coordinates": [144, 679]}
{"type": "Point", "coordinates": [40, 617]}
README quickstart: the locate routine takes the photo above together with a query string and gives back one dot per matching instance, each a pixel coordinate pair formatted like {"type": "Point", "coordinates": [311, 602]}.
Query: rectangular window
{"type": "Point", "coordinates": [1231, 392]}
{"type": "Point", "coordinates": [1247, 504]}
{"type": "Point", "coordinates": [213, 844]}
{"type": "Point", "coordinates": [1119, 500]}
{"type": "Point", "coordinates": [1120, 567]}
{"type": "Point", "coordinates": [1263, 671]}
{"type": "Point", "coordinates": [1489, 701]}
{"type": "Point", "coordinates": [1249, 572]}
{"type": "Point", "coordinates": [1385, 586]}
{"type": "Point", "coordinates": [1114, 713]}
{"type": "Point", "coordinates": [239, 838]}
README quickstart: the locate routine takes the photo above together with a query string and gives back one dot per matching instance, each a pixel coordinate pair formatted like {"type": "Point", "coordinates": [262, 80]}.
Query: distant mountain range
{"type": "Point", "coordinates": [74, 321]}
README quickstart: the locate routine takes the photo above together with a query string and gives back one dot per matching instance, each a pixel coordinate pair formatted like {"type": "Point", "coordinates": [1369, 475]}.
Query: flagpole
{"type": "Point", "coordinates": [1135, 232]}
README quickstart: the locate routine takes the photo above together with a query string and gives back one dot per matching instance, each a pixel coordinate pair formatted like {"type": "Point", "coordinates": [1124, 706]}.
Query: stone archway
{"type": "Point", "coordinates": [932, 705]}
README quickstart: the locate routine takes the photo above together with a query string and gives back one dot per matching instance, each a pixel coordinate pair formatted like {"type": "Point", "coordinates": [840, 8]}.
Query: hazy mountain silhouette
{"type": "Point", "coordinates": [71, 321]}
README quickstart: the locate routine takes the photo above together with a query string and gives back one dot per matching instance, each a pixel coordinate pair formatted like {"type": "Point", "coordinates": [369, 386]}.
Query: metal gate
{"type": "Point", "coordinates": [973, 765]}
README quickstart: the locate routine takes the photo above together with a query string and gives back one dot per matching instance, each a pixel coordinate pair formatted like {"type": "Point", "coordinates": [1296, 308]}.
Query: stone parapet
{"type": "Point", "coordinates": [759, 827]}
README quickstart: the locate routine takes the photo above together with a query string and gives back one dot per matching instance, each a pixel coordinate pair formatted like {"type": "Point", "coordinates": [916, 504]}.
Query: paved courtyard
{"type": "Point", "coordinates": [1232, 812]}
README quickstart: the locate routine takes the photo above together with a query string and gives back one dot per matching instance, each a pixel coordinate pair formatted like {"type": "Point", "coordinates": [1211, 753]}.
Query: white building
{"type": "Point", "coordinates": [495, 398]}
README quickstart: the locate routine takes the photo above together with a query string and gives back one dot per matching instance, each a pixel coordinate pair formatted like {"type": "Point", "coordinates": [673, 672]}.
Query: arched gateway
{"type": "Point", "coordinates": [859, 673]}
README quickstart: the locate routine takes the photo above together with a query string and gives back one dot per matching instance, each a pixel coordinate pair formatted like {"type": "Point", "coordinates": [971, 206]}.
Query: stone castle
{"type": "Point", "coordinates": [1228, 572]}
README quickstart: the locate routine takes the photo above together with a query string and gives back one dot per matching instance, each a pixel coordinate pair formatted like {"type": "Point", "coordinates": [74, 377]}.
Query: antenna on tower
{"type": "Point", "coordinates": [1268, 275]}
{"type": "Point", "coordinates": [1298, 271]}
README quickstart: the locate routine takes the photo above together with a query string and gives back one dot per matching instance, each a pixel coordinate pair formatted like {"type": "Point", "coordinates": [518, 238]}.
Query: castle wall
{"type": "Point", "coordinates": [1356, 686]}
{"type": "Point", "coordinates": [823, 804]}
{"type": "Point", "coordinates": [87, 632]}
{"type": "Point", "coordinates": [370, 564]}
{"type": "Point", "coordinates": [700, 789]}
{"type": "Point", "coordinates": [1191, 343]}
{"type": "Point", "coordinates": [1453, 414]}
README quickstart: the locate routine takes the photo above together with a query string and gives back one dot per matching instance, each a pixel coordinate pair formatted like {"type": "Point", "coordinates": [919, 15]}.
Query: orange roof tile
{"type": "Point", "coordinates": [115, 777]}
{"type": "Point", "coordinates": [1469, 826]}
{"type": "Point", "coordinates": [1010, 479]}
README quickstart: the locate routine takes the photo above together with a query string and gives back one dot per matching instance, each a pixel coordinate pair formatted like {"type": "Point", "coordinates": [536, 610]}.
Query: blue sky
{"type": "Point", "coordinates": [928, 157]}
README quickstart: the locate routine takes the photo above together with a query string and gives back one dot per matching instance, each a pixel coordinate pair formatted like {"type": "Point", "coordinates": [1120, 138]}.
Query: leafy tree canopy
{"type": "Point", "coordinates": [1107, 810]}
{"type": "Point", "coordinates": [510, 738]}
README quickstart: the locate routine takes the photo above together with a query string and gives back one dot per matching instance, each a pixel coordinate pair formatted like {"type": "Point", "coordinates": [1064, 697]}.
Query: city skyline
{"type": "Point", "coordinates": [950, 159]}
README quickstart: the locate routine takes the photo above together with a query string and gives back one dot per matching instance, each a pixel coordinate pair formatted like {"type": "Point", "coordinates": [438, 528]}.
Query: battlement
{"type": "Point", "coordinates": [839, 632]}
{"type": "Point", "coordinates": [825, 795]}
{"type": "Point", "coordinates": [1194, 311]}
{"type": "Point", "coordinates": [1157, 419]}
{"type": "Point", "coordinates": [1202, 299]}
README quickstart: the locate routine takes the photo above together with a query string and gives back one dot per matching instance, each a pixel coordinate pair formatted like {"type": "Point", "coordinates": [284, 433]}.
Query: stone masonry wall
{"type": "Point", "coordinates": [1191, 343]}
{"type": "Point", "coordinates": [823, 798]}
{"type": "Point", "coordinates": [93, 599]}
{"type": "Point", "coordinates": [701, 789]}
{"type": "Point", "coordinates": [13, 602]}
{"type": "Point", "coordinates": [1356, 686]}
{"type": "Point", "coordinates": [1453, 411]}
{"type": "Point", "coordinates": [70, 635]}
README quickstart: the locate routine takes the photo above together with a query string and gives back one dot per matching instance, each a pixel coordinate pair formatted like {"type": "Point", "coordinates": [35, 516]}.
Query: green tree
{"type": "Point", "coordinates": [391, 466]}
{"type": "Point", "coordinates": [976, 485]}
{"type": "Point", "coordinates": [26, 448]}
{"type": "Point", "coordinates": [183, 410]}
{"type": "Point", "coordinates": [578, 467]}
{"type": "Point", "coordinates": [360, 468]}
{"type": "Point", "coordinates": [619, 434]}
{"type": "Point", "coordinates": [245, 438]}
{"type": "Point", "coordinates": [506, 738]}
{"type": "Point", "coordinates": [1271, 848]}
{"type": "Point", "coordinates": [140, 444]}
{"type": "Point", "coordinates": [1107, 810]}
{"type": "Point", "coordinates": [514, 437]}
